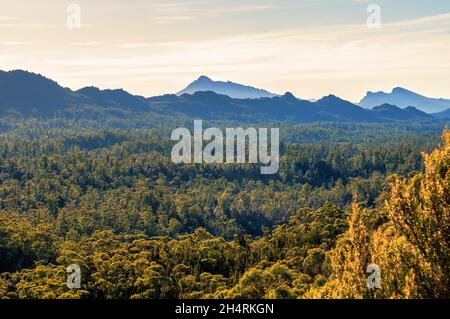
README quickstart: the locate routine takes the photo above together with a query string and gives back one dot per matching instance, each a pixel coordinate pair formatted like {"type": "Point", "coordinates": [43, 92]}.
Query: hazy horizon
{"type": "Point", "coordinates": [213, 79]}
{"type": "Point", "coordinates": [311, 48]}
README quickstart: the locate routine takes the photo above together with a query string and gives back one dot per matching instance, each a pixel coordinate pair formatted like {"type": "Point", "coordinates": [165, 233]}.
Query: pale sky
{"type": "Point", "coordinates": [309, 47]}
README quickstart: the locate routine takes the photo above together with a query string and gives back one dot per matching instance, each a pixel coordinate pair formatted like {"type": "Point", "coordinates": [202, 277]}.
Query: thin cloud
{"type": "Point", "coordinates": [137, 45]}
{"type": "Point", "coordinates": [86, 43]}
{"type": "Point", "coordinates": [241, 9]}
{"type": "Point", "coordinates": [6, 18]}
{"type": "Point", "coordinates": [424, 20]}
{"type": "Point", "coordinates": [14, 43]}
{"type": "Point", "coordinates": [172, 19]}
{"type": "Point", "coordinates": [202, 8]}
{"type": "Point", "coordinates": [30, 25]}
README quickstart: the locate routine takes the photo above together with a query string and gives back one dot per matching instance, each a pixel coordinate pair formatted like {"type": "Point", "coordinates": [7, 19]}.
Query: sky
{"type": "Point", "coordinates": [311, 48]}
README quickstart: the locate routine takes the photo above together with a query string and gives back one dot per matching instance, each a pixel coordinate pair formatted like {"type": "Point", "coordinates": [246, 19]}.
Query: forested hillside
{"type": "Point", "coordinates": [111, 201]}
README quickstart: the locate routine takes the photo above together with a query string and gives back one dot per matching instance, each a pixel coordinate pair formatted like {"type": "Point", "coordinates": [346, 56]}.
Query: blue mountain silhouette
{"type": "Point", "coordinates": [234, 90]}
{"type": "Point", "coordinates": [32, 94]}
{"type": "Point", "coordinates": [403, 98]}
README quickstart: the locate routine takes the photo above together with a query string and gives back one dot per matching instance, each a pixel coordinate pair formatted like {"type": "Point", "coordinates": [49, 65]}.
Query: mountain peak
{"type": "Point", "coordinates": [403, 98]}
{"type": "Point", "coordinates": [29, 92]}
{"type": "Point", "coordinates": [400, 90]}
{"type": "Point", "coordinates": [30, 77]}
{"type": "Point", "coordinates": [233, 90]}
{"type": "Point", "coordinates": [331, 98]}
{"type": "Point", "coordinates": [89, 90]}
{"type": "Point", "coordinates": [289, 96]}
{"type": "Point", "coordinates": [203, 78]}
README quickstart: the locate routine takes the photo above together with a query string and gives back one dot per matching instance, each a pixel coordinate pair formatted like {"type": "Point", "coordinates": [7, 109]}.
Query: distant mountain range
{"type": "Point", "coordinates": [34, 95]}
{"type": "Point", "coordinates": [30, 93]}
{"type": "Point", "coordinates": [231, 89]}
{"type": "Point", "coordinates": [444, 115]}
{"type": "Point", "coordinates": [213, 106]}
{"type": "Point", "coordinates": [404, 98]}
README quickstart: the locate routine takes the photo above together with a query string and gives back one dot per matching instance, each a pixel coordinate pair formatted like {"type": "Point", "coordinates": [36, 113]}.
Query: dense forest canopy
{"type": "Point", "coordinates": [106, 196]}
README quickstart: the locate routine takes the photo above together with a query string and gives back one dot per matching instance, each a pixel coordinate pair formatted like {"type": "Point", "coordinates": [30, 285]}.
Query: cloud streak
{"type": "Point", "coordinates": [309, 61]}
